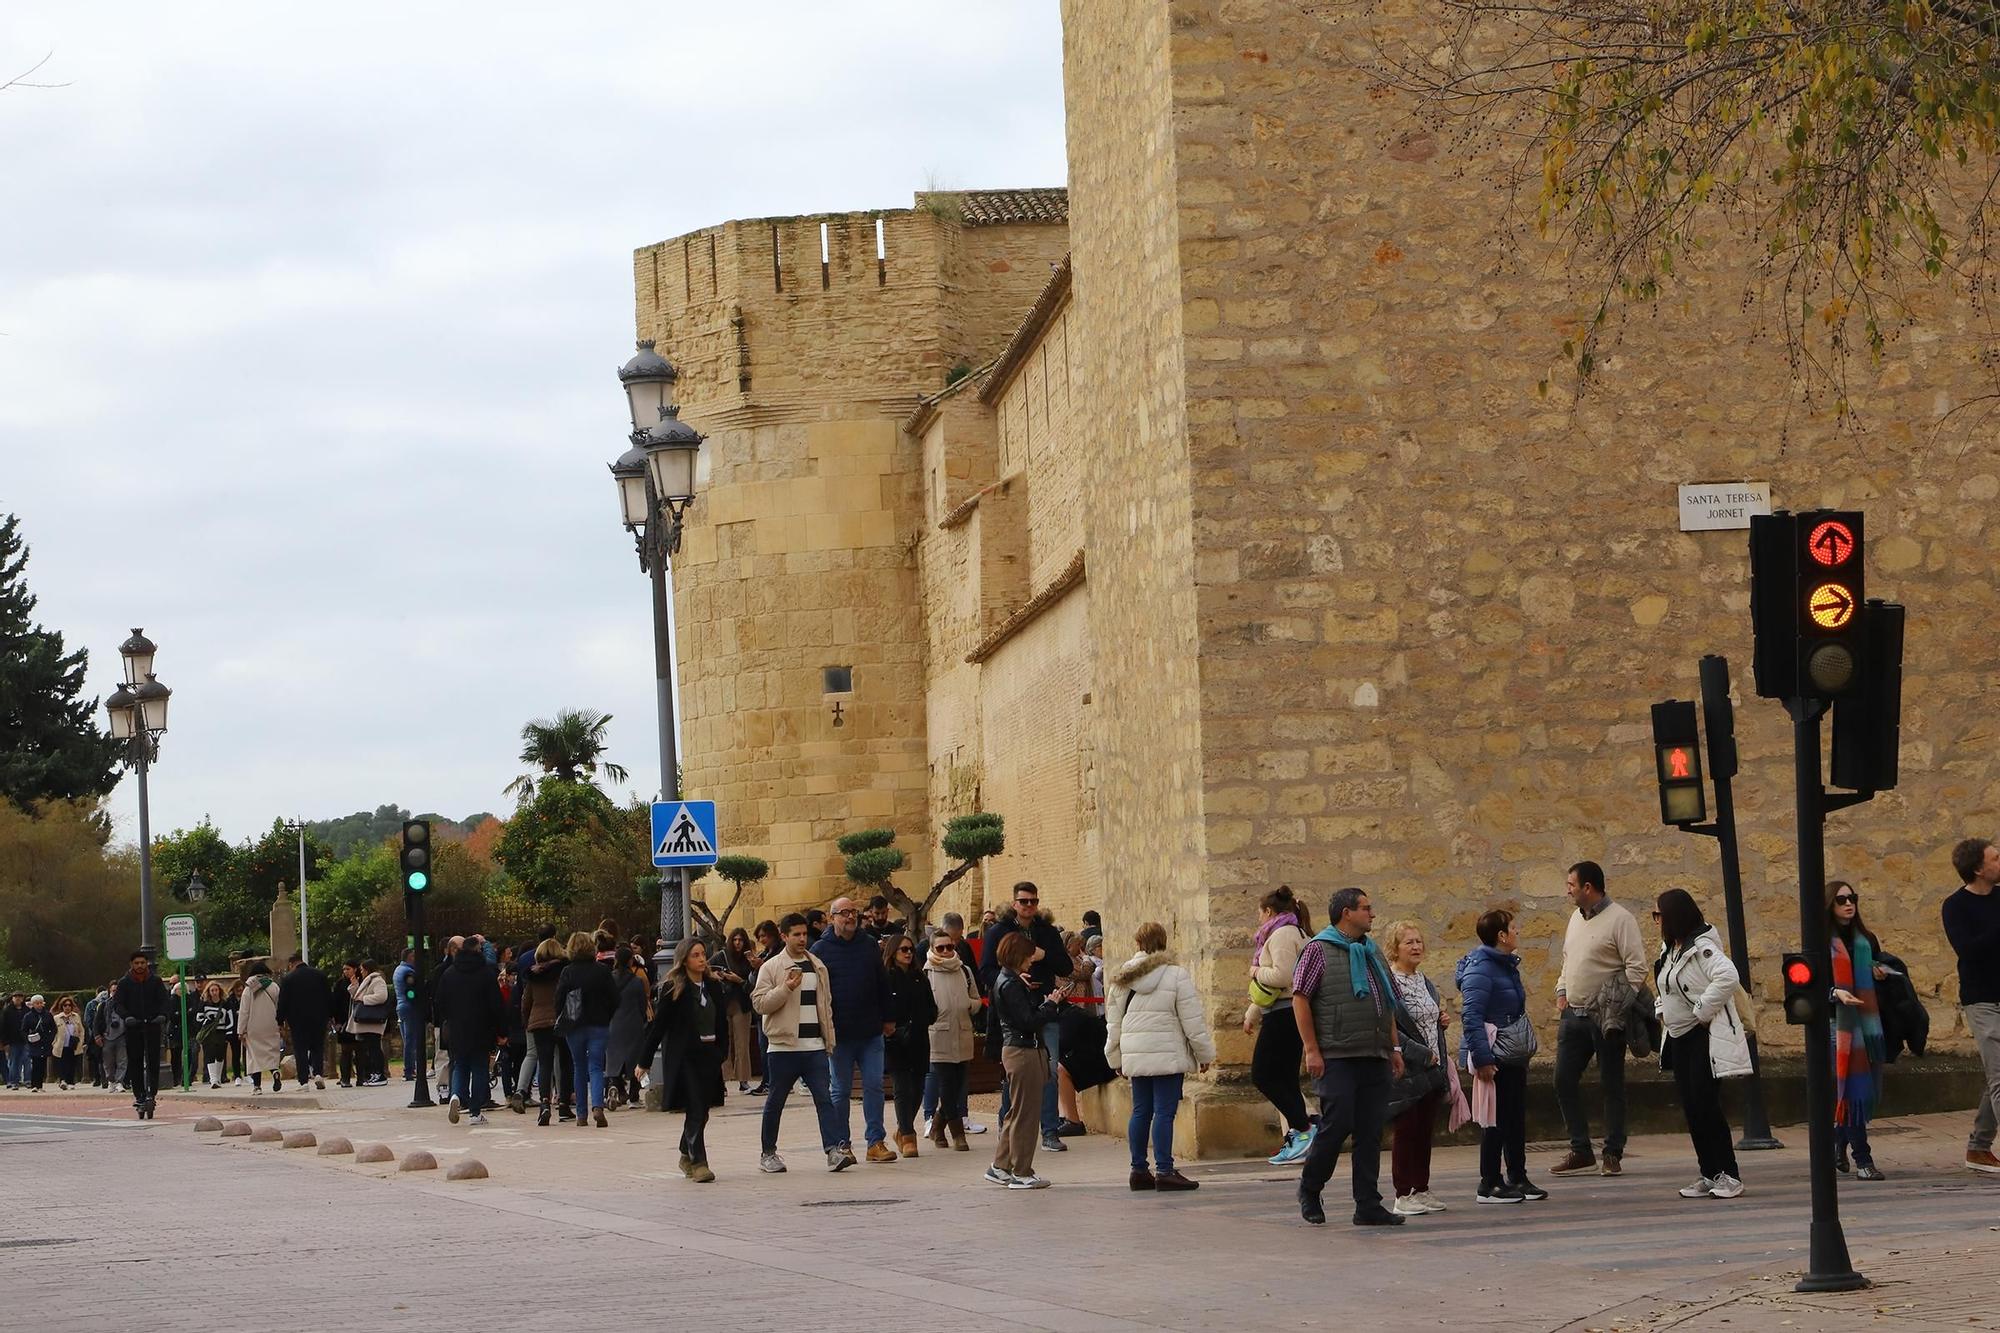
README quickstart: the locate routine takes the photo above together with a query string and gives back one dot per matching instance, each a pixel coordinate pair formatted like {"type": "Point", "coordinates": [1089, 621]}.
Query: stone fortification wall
{"type": "Point", "coordinates": [1430, 606]}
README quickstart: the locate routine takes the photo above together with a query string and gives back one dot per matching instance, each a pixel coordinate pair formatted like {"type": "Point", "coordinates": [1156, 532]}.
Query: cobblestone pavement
{"type": "Point", "coordinates": [598, 1223]}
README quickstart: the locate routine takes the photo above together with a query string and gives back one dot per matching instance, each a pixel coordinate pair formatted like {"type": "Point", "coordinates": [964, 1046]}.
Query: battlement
{"type": "Point", "coordinates": [785, 313]}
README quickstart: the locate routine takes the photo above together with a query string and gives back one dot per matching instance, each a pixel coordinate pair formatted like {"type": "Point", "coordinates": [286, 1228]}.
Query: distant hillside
{"type": "Point", "coordinates": [365, 829]}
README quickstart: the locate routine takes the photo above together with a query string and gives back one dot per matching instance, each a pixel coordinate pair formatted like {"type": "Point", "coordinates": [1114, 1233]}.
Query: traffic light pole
{"type": "Point", "coordinates": [413, 909]}
{"type": "Point", "coordinates": [1721, 718]}
{"type": "Point", "coordinates": [1828, 1267]}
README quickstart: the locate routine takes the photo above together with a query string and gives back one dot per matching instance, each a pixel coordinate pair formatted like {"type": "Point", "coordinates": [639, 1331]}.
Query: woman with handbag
{"type": "Point", "coordinates": [1498, 1042]}
{"type": "Point", "coordinates": [1859, 1048]}
{"type": "Point", "coordinates": [1282, 929]}
{"type": "Point", "coordinates": [908, 1048]}
{"type": "Point", "coordinates": [214, 1021]}
{"type": "Point", "coordinates": [952, 1040]}
{"type": "Point", "coordinates": [368, 1004]}
{"type": "Point", "coordinates": [1156, 1035]}
{"type": "Point", "coordinates": [735, 968]}
{"type": "Point", "coordinates": [1424, 1070]}
{"type": "Point", "coordinates": [1705, 1042]}
{"type": "Point", "coordinates": [257, 1021]}
{"type": "Point", "coordinates": [690, 1024]}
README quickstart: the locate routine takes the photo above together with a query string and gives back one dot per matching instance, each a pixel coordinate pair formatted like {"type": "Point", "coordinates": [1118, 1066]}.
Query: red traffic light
{"type": "Point", "coordinates": [1831, 543]}
{"type": "Point", "coordinates": [1798, 972]}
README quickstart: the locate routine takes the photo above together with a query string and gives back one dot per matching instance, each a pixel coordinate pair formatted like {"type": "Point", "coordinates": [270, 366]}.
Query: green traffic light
{"type": "Point", "coordinates": [419, 880]}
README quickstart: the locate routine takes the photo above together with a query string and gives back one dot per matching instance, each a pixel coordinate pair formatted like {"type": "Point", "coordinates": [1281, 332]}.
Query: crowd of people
{"type": "Point", "coordinates": [827, 999]}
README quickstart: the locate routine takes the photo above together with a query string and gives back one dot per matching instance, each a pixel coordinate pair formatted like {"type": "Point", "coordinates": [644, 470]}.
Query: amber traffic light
{"type": "Point", "coordinates": [1831, 650]}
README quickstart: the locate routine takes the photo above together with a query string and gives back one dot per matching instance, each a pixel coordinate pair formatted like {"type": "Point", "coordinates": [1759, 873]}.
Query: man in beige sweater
{"type": "Point", "coordinates": [1602, 941]}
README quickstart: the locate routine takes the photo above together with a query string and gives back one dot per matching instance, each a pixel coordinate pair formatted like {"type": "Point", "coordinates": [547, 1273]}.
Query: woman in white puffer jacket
{"type": "Point", "coordinates": [1705, 1041]}
{"type": "Point", "coordinates": [1156, 1035]}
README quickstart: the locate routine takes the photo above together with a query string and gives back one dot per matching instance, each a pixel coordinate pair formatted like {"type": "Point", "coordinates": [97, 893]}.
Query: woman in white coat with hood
{"type": "Point", "coordinates": [1156, 1035]}
{"type": "Point", "coordinates": [1705, 1041]}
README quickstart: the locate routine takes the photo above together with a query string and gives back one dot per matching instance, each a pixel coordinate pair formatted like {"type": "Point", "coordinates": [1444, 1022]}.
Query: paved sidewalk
{"type": "Point", "coordinates": [599, 1222]}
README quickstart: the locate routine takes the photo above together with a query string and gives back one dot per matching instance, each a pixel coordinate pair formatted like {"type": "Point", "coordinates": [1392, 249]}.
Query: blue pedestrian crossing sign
{"type": "Point", "coordinates": [684, 833]}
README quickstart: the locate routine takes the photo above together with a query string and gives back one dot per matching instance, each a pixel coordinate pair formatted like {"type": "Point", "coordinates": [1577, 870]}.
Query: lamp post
{"type": "Point", "coordinates": [656, 484]}
{"type": "Point", "coordinates": [138, 711]}
{"type": "Point", "coordinates": [298, 826]}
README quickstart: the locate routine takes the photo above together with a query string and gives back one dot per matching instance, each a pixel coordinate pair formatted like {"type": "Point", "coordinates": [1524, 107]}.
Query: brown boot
{"type": "Point", "coordinates": [1574, 1163]}
{"type": "Point", "coordinates": [937, 1134]}
{"type": "Point", "coordinates": [906, 1144]}
{"type": "Point", "coordinates": [958, 1143]}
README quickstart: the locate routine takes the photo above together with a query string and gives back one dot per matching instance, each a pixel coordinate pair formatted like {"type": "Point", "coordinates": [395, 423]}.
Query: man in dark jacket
{"type": "Point", "coordinates": [1345, 1008]}
{"type": "Point", "coordinates": [860, 993]}
{"type": "Point", "coordinates": [304, 1006]}
{"type": "Point", "coordinates": [141, 1001]}
{"type": "Point", "coordinates": [1052, 963]}
{"type": "Point", "coordinates": [13, 1044]}
{"type": "Point", "coordinates": [470, 1008]}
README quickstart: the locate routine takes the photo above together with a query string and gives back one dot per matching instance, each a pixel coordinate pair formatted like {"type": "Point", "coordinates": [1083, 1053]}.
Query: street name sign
{"type": "Point", "coordinates": [683, 833]}
{"type": "Point", "coordinates": [1720, 505]}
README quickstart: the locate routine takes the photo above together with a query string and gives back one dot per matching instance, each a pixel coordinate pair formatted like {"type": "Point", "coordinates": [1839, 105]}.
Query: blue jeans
{"type": "Point", "coordinates": [1155, 1099]}
{"type": "Point", "coordinates": [781, 1070]}
{"type": "Point", "coordinates": [412, 1029]}
{"type": "Point", "coordinates": [17, 1062]}
{"type": "Point", "coordinates": [586, 1057]}
{"type": "Point", "coordinates": [1052, 1042]}
{"type": "Point", "coordinates": [470, 1083]}
{"type": "Point", "coordinates": [930, 1095]}
{"type": "Point", "coordinates": [867, 1054]}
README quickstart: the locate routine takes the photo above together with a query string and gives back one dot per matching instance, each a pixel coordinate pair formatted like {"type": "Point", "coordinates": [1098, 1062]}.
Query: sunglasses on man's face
{"type": "Point", "coordinates": [1851, 898]}
{"type": "Point", "coordinates": [1027, 902]}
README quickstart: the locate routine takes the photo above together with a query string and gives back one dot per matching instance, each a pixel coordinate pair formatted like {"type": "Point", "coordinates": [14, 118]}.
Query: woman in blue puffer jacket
{"type": "Point", "coordinates": [1489, 985]}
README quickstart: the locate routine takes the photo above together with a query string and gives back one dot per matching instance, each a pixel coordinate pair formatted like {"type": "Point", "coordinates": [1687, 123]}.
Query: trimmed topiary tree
{"type": "Point", "coordinates": [739, 871]}
{"type": "Point", "coordinates": [873, 858]}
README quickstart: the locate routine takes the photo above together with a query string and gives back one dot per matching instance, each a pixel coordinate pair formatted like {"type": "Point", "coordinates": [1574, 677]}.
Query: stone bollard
{"type": "Point", "coordinates": [267, 1134]}
{"type": "Point", "coordinates": [301, 1138]}
{"type": "Point", "coordinates": [208, 1124]}
{"type": "Point", "coordinates": [417, 1161]}
{"type": "Point", "coordinates": [466, 1168]}
{"type": "Point", "coordinates": [236, 1129]}
{"type": "Point", "coordinates": [374, 1152]}
{"type": "Point", "coordinates": [335, 1147]}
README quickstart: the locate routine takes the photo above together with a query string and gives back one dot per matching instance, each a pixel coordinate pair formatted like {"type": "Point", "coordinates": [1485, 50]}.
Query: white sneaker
{"type": "Point", "coordinates": [1028, 1182]}
{"type": "Point", "coordinates": [475, 1119]}
{"type": "Point", "coordinates": [1430, 1201]}
{"type": "Point", "coordinates": [1701, 1189]}
{"type": "Point", "coordinates": [974, 1127]}
{"type": "Point", "coordinates": [771, 1164]}
{"type": "Point", "coordinates": [995, 1176]}
{"type": "Point", "coordinates": [319, 1083]}
{"type": "Point", "coordinates": [927, 1127]}
{"type": "Point", "coordinates": [1408, 1205]}
{"type": "Point", "coordinates": [451, 1110]}
{"type": "Point", "coordinates": [1725, 1186]}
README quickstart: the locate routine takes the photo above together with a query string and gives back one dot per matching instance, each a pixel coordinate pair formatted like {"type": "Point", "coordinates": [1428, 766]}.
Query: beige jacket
{"type": "Point", "coordinates": [1274, 966]}
{"type": "Point", "coordinates": [779, 1003]}
{"type": "Point", "coordinates": [952, 1039]}
{"type": "Point", "coordinates": [371, 989]}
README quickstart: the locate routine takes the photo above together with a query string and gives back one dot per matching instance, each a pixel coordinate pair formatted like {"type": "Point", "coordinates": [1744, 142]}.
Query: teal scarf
{"type": "Point", "coordinates": [1361, 956]}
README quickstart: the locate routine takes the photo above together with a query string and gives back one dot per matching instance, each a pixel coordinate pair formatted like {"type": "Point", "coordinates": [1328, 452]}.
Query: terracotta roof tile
{"type": "Point", "coordinates": [995, 208]}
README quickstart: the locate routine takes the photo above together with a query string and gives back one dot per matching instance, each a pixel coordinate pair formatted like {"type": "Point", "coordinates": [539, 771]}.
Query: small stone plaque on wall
{"type": "Point", "coordinates": [1715, 506]}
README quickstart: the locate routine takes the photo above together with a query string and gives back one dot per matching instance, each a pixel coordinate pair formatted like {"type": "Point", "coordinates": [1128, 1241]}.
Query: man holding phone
{"type": "Point", "coordinates": [794, 995]}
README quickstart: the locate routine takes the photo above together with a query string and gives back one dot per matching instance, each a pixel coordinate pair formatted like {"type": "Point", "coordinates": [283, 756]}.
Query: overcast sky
{"type": "Point", "coordinates": [309, 325]}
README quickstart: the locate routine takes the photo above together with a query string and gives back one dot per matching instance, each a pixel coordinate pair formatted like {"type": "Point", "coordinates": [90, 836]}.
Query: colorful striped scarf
{"type": "Point", "coordinates": [1857, 1039]}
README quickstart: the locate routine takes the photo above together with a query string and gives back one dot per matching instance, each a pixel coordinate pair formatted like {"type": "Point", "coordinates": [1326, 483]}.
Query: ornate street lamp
{"type": "Point", "coordinates": [138, 710]}
{"type": "Point", "coordinates": [656, 484]}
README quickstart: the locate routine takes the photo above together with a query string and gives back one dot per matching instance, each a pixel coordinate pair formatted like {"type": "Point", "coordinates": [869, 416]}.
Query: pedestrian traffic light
{"type": "Point", "coordinates": [416, 860]}
{"type": "Point", "coordinates": [1773, 586]}
{"type": "Point", "coordinates": [1677, 762]}
{"type": "Point", "coordinates": [1806, 993]}
{"type": "Point", "coordinates": [1832, 650]}
{"type": "Point", "coordinates": [1868, 724]}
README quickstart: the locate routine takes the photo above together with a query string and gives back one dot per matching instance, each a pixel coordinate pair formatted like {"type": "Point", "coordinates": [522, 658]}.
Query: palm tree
{"type": "Point", "coordinates": [568, 748]}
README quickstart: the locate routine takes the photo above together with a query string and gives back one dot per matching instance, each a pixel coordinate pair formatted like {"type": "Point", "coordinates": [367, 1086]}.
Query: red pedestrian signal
{"type": "Point", "coordinates": [1798, 972]}
{"type": "Point", "coordinates": [1677, 763]}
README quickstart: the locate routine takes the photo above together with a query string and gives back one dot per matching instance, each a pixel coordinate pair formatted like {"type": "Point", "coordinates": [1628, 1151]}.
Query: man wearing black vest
{"type": "Point", "coordinates": [1345, 1007]}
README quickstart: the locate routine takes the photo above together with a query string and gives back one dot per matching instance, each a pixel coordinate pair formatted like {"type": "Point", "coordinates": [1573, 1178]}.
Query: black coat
{"type": "Point", "coordinates": [1019, 1015]}
{"type": "Point", "coordinates": [11, 1016]}
{"type": "Point", "coordinates": [141, 1001]}
{"type": "Point", "coordinates": [600, 994]}
{"type": "Point", "coordinates": [1905, 1021]}
{"type": "Point", "coordinates": [912, 1008]}
{"type": "Point", "coordinates": [468, 1005]}
{"type": "Point", "coordinates": [305, 1005]}
{"type": "Point", "coordinates": [675, 1022]}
